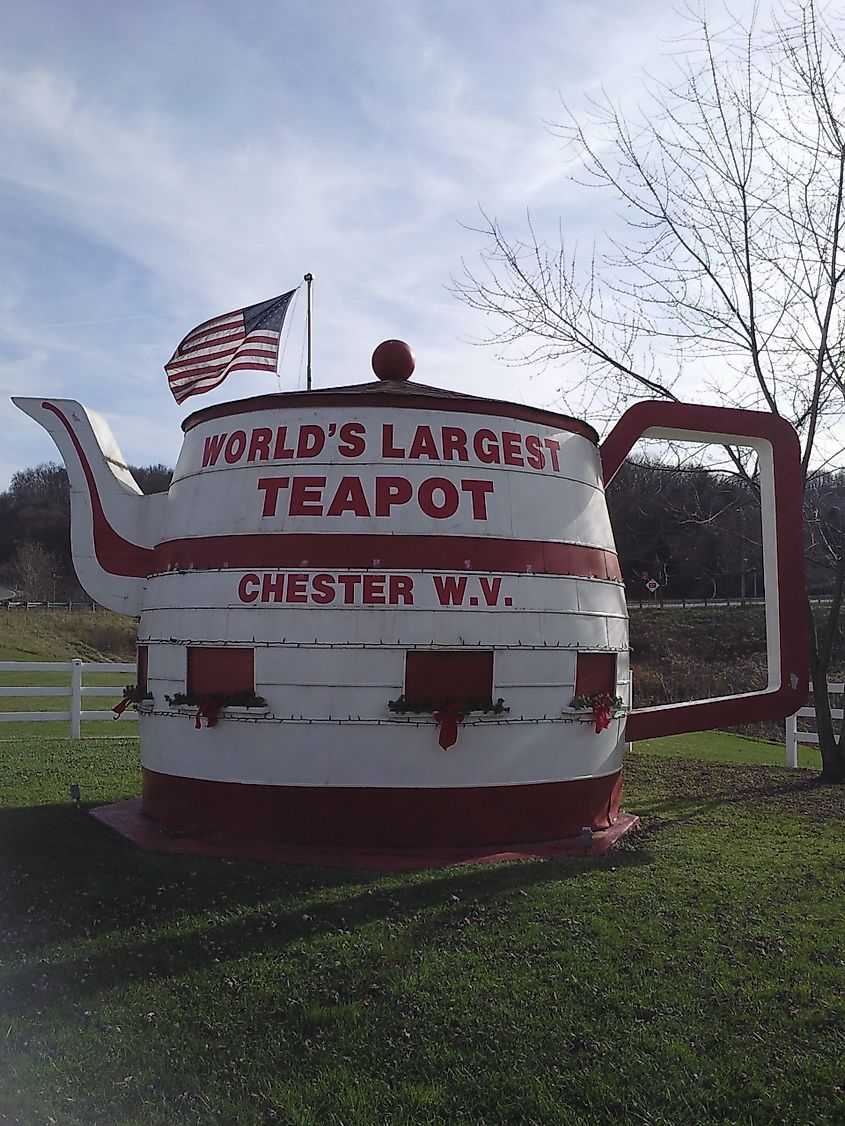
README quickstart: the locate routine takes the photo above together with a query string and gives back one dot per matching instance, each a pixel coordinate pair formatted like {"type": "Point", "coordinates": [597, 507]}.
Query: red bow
{"type": "Point", "coordinates": [209, 709]}
{"type": "Point", "coordinates": [121, 706]}
{"type": "Point", "coordinates": [448, 723]}
{"type": "Point", "coordinates": [603, 712]}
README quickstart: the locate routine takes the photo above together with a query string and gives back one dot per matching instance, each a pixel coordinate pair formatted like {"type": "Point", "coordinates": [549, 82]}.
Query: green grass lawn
{"type": "Point", "coordinates": [39, 635]}
{"type": "Point", "coordinates": [695, 975]}
{"type": "Point", "coordinates": [57, 636]}
{"type": "Point", "coordinates": [716, 746]}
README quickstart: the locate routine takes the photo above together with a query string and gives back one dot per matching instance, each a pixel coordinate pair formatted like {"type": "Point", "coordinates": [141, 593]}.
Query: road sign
{"type": "Point", "coordinates": [652, 585]}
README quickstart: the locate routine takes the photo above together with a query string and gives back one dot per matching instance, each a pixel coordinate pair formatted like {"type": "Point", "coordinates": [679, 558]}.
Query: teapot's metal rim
{"type": "Point", "coordinates": [397, 395]}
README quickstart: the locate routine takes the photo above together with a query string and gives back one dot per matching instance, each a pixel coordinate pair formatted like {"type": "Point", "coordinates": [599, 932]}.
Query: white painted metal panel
{"type": "Point", "coordinates": [320, 701]}
{"type": "Point", "coordinates": [340, 667]}
{"type": "Point", "coordinates": [392, 754]}
{"type": "Point", "coordinates": [167, 662]}
{"type": "Point", "coordinates": [516, 507]}
{"type": "Point", "coordinates": [465, 592]}
{"type": "Point", "coordinates": [572, 462]}
{"type": "Point", "coordinates": [265, 625]}
{"type": "Point", "coordinates": [514, 667]}
{"type": "Point", "coordinates": [617, 633]}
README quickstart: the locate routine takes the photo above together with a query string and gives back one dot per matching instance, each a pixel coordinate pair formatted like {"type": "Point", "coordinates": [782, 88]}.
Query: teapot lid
{"type": "Point", "coordinates": [393, 389]}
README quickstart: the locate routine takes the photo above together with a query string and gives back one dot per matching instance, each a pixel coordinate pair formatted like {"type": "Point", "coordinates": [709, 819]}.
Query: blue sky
{"type": "Point", "coordinates": [165, 162]}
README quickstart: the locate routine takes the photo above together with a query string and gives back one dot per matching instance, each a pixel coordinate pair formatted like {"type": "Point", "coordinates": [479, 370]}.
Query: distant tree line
{"type": "Point", "coordinates": [697, 532]}
{"type": "Point", "coordinates": [35, 555]}
{"type": "Point", "coordinates": [693, 531]}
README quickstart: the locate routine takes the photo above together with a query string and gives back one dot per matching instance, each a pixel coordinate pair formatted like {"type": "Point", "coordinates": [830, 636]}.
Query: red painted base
{"type": "Point", "coordinates": [128, 819]}
{"type": "Point", "coordinates": [382, 817]}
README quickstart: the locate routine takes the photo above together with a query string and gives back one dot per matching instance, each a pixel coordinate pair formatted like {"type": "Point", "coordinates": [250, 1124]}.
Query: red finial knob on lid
{"type": "Point", "coordinates": [393, 359]}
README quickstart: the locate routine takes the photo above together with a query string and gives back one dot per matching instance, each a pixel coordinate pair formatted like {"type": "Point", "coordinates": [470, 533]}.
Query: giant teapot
{"type": "Point", "coordinates": [381, 571]}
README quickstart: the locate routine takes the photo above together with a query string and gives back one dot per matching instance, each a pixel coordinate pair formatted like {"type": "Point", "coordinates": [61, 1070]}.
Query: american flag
{"type": "Point", "coordinates": [247, 339]}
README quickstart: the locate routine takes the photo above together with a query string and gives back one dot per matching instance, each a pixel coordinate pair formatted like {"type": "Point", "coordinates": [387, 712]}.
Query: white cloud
{"type": "Point", "coordinates": [165, 162]}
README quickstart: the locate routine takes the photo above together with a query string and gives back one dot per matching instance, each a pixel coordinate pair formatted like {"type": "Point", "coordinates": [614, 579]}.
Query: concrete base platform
{"type": "Point", "coordinates": [128, 819]}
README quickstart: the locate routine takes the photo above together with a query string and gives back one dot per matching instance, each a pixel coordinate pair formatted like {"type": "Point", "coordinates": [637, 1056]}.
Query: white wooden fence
{"type": "Point", "coordinates": [794, 736]}
{"type": "Point", "coordinates": [75, 691]}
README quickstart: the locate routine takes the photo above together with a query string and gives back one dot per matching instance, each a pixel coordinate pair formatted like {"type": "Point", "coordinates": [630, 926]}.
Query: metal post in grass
{"type": "Point", "coordinates": [792, 741]}
{"type": "Point", "coordinates": [75, 697]}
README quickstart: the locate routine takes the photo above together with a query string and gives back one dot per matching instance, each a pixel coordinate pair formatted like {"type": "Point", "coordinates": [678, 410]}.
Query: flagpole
{"type": "Point", "coordinates": [308, 279]}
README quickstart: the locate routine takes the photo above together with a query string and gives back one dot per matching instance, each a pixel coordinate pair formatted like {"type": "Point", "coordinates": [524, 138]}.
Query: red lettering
{"type": "Point", "coordinates": [391, 491]}
{"type": "Point", "coordinates": [235, 447]}
{"type": "Point", "coordinates": [374, 590]}
{"type": "Point", "coordinates": [387, 447]}
{"type": "Point", "coordinates": [272, 486]}
{"type": "Point", "coordinates": [282, 451]}
{"type": "Point", "coordinates": [454, 440]}
{"type": "Point", "coordinates": [478, 490]}
{"type": "Point", "coordinates": [273, 587]}
{"type": "Point", "coordinates": [311, 441]}
{"type": "Point", "coordinates": [511, 446]}
{"type": "Point", "coordinates": [451, 498]}
{"type": "Point", "coordinates": [486, 447]}
{"type": "Point", "coordinates": [401, 590]}
{"type": "Point", "coordinates": [306, 496]}
{"type": "Point", "coordinates": [553, 446]}
{"type": "Point", "coordinates": [450, 589]}
{"type": "Point", "coordinates": [323, 589]}
{"type": "Point", "coordinates": [348, 582]}
{"type": "Point", "coordinates": [424, 444]}
{"type": "Point", "coordinates": [248, 587]}
{"type": "Point", "coordinates": [297, 584]}
{"type": "Point", "coordinates": [490, 589]}
{"type": "Point", "coordinates": [349, 498]}
{"type": "Point", "coordinates": [536, 458]}
{"type": "Point", "coordinates": [352, 442]}
{"type": "Point", "coordinates": [211, 449]}
{"type": "Point", "coordinates": [259, 444]}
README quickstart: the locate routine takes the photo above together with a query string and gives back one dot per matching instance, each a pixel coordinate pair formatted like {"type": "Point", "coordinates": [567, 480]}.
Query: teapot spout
{"type": "Point", "coordinates": [114, 526]}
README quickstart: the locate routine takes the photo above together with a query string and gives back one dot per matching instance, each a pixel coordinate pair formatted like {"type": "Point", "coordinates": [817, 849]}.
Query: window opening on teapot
{"type": "Point", "coordinates": [595, 687]}
{"type": "Point", "coordinates": [448, 685]}
{"type": "Point", "coordinates": [218, 671]}
{"type": "Point", "coordinates": [142, 664]}
{"type": "Point", "coordinates": [442, 676]}
{"type": "Point", "coordinates": [218, 678]}
{"type": "Point", "coordinates": [595, 674]}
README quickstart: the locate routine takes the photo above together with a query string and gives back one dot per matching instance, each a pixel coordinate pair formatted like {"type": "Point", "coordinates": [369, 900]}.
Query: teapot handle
{"type": "Point", "coordinates": [781, 503]}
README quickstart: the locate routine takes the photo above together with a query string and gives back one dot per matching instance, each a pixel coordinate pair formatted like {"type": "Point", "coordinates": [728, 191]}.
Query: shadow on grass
{"type": "Point", "coordinates": [692, 789]}
{"type": "Point", "coordinates": [85, 911]}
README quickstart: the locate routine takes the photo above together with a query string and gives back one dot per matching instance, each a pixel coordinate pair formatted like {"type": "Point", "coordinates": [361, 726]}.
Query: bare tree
{"type": "Point", "coordinates": [731, 180]}
{"type": "Point", "coordinates": [33, 571]}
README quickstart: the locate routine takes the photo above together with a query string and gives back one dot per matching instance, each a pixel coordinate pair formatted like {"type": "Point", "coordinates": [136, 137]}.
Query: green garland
{"type": "Point", "coordinates": [221, 699]}
{"type": "Point", "coordinates": [404, 706]}
{"type": "Point", "coordinates": [135, 694]}
{"type": "Point", "coordinates": [587, 703]}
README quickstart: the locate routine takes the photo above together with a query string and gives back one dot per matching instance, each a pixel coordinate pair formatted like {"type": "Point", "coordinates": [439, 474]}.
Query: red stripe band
{"type": "Point", "coordinates": [416, 817]}
{"type": "Point", "coordinates": [114, 554]}
{"type": "Point", "coordinates": [435, 553]}
{"type": "Point", "coordinates": [356, 400]}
